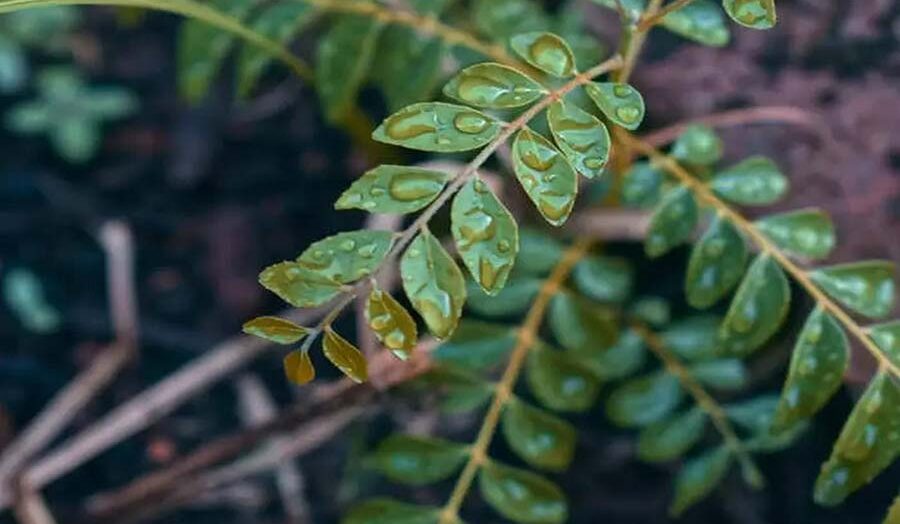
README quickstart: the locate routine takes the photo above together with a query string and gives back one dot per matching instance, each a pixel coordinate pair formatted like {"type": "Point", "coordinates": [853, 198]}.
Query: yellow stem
{"type": "Point", "coordinates": [649, 21]}
{"type": "Point", "coordinates": [635, 43]}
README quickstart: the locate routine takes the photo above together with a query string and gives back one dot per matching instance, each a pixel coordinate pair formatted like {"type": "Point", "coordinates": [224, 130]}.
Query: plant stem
{"type": "Point", "coordinates": [703, 193]}
{"type": "Point", "coordinates": [525, 339]}
{"type": "Point", "coordinates": [649, 21]}
{"type": "Point", "coordinates": [634, 43]}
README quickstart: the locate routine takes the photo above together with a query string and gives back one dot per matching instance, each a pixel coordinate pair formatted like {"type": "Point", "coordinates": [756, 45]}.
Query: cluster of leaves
{"type": "Point", "coordinates": [41, 29]}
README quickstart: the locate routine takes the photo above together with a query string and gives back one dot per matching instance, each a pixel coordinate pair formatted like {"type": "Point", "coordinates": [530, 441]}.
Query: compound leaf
{"type": "Point", "coordinates": [393, 189]}
{"type": "Point", "coordinates": [418, 461]}
{"type": "Point", "coordinates": [522, 496]}
{"type": "Point", "coordinates": [345, 356]}
{"type": "Point", "coordinates": [758, 309]}
{"type": "Point", "coordinates": [493, 86]}
{"type": "Point", "coordinates": [391, 323]}
{"type": "Point", "coordinates": [672, 222]}
{"type": "Point", "coordinates": [756, 181]}
{"type": "Point", "coordinates": [865, 287]}
{"type": "Point", "coordinates": [622, 104]}
{"type": "Point", "coordinates": [546, 176]}
{"type": "Point", "coordinates": [545, 51]}
{"type": "Point", "coordinates": [716, 264]}
{"type": "Point", "coordinates": [539, 438]}
{"type": "Point", "coordinates": [433, 283]}
{"type": "Point", "coordinates": [806, 232]}
{"type": "Point", "coordinates": [581, 136]}
{"type": "Point", "coordinates": [347, 257]}
{"type": "Point", "coordinates": [438, 127]}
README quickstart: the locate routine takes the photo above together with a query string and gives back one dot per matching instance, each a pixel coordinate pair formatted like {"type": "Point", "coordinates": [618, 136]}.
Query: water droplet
{"type": "Point", "coordinates": [411, 124]}
{"type": "Point", "coordinates": [554, 207]}
{"type": "Point", "coordinates": [503, 246]}
{"type": "Point", "coordinates": [348, 245]}
{"type": "Point", "coordinates": [537, 157]}
{"type": "Point", "coordinates": [381, 322]}
{"type": "Point", "coordinates": [395, 340]}
{"type": "Point", "coordinates": [622, 91]}
{"type": "Point", "coordinates": [409, 187]}
{"type": "Point", "coordinates": [480, 186]}
{"type": "Point", "coordinates": [488, 274]}
{"type": "Point", "coordinates": [628, 114]}
{"type": "Point", "coordinates": [549, 54]}
{"type": "Point", "coordinates": [480, 90]}
{"type": "Point", "coordinates": [478, 227]}
{"type": "Point", "coordinates": [470, 123]}
{"type": "Point", "coordinates": [594, 162]}
{"type": "Point", "coordinates": [367, 251]}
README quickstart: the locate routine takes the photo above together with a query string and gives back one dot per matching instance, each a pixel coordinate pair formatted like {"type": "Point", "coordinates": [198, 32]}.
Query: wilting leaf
{"type": "Point", "coordinates": [539, 438]}
{"type": "Point", "coordinates": [391, 323]}
{"type": "Point", "coordinates": [514, 299]}
{"type": "Point", "coordinates": [546, 175]}
{"type": "Point", "coordinates": [438, 127]}
{"type": "Point", "coordinates": [728, 374]}
{"type": "Point", "coordinates": [275, 329]}
{"type": "Point", "coordinates": [622, 104]}
{"type": "Point", "coordinates": [297, 285]}
{"type": "Point", "coordinates": [700, 21]}
{"type": "Point", "coordinates": [754, 415]}
{"type": "Point", "coordinates": [716, 265]}
{"type": "Point", "coordinates": [758, 308]}
{"type": "Point", "coordinates": [698, 145]}
{"type": "Point", "coordinates": [393, 189]}
{"type": "Point", "coordinates": [887, 337]}
{"type": "Point", "coordinates": [345, 356]}
{"type": "Point", "coordinates": [624, 358]}
{"type": "Point", "coordinates": [756, 14]}
{"type": "Point", "coordinates": [698, 478]}
{"type": "Point", "coordinates": [756, 181]}
{"type": "Point", "coordinates": [347, 257]}
{"type": "Point", "coordinates": [538, 253]}
{"type": "Point", "coordinates": [280, 22]}
{"type": "Point", "coordinates": [693, 338]}
{"type": "Point", "coordinates": [560, 381]}
{"type": "Point", "coordinates": [645, 400]}
{"type": "Point", "coordinates": [865, 287]}
{"type": "Point", "coordinates": [820, 357]}
{"type": "Point", "coordinates": [493, 86]}
{"type": "Point", "coordinates": [476, 345]}
{"type": "Point", "coordinates": [867, 444]}
{"type": "Point", "coordinates": [522, 496]}
{"type": "Point", "coordinates": [343, 57]}
{"type": "Point", "coordinates": [582, 137]}
{"type": "Point", "coordinates": [605, 279]}
{"type": "Point", "coordinates": [642, 185]}
{"type": "Point", "coordinates": [418, 461]}
{"type": "Point", "coordinates": [672, 222]}
{"type": "Point", "coordinates": [671, 438]}
{"type": "Point", "coordinates": [580, 325]}
{"type": "Point", "coordinates": [299, 368]}
{"type": "Point", "coordinates": [805, 233]}
{"type": "Point", "coordinates": [486, 235]}
{"type": "Point", "coordinates": [433, 283]}
{"type": "Point", "coordinates": [388, 511]}
{"type": "Point", "coordinates": [545, 51]}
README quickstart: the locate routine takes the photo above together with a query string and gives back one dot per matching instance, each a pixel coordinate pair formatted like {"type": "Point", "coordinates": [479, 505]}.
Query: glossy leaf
{"type": "Point", "coordinates": [392, 324]}
{"type": "Point", "coordinates": [514, 299]}
{"type": "Point", "coordinates": [343, 58]}
{"type": "Point", "coordinates": [299, 368]}
{"type": "Point", "coordinates": [476, 345]}
{"type": "Point", "coordinates": [393, 189]}
{"type": "Point", "coordinates": [672, 223]}
{"type": "Point", "coordinates": [522, 496]}
{"type": "Point", "coordinates": [389, 511]}
{"type": "Point", "coordinates": [693, 338]}
{"type": "Point", "coordinates": [621, 360]}
{"type": "Point", "coordinates": [887, 337]}
{"type": "Point", "coordinates": [716, 265]}
{"type": "Point", "coordinates": [297, 285]}
{"type": "Point", "coordinates": [605, 279]}
{"type": "Point", "coordinates": [581, 136]}
{"type": "Point", "coordinates": [756, 14]}
{"type": "Point", "coordinates": [418, 461]}
{"type": "Point", "coordinates": [756, 181]}
{"type": "Point", "coordinates": [434, 284]}
{"type": "Point", "coordinates": [728, 374]}
{"type": "Point", "coordinates": [758, 309]}
{"type": "Point", "coordinates": [537, 437]}
{"type": "Point", "coordinates": [580, 325]}
{"type": "Point", "coordinates": [486, 235]}
{"type": "Point", "coordinates": [275, 329]}
{"type": "Point", "coordinates": [545, 51]}
{"type": "Point", "coordinates": [645, 400]}
{"type": "Point", "coordinates": [345, 356]}
{"type": "Point", "coordinates": [806, 233]}
{"type": "Point", "coordinates": [865, 287]}
{"type": "Point", "coordinates": [698, 145]}
{"type": "Point", "coordinates": [698, 478]}
{"type": "Point", "coordinates": [868, 443]}
{"type": "Point", "coordinates": [560, 381]}
{"type": "Point", "coordinates": [438, 127]}
{"type": "Point", "coordinates": [622, 104]}
{"type": "Point", "coordinates": [671, 438]}
{"type": "Point", "coordinates": [701, 21]}
{"type": "Point", "coordinates": [546, 176]}
{"type": "Point", "coordinates": [347, 257]}
{"type": "Point", "coordinates": [538, 253]}
{"type": "Point", "coordinates": [493, 86]}
{"type": "Point", "coordinates": [642, 185]}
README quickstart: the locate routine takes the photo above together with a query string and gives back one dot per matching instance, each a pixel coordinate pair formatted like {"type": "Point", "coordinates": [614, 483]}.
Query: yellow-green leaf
{"type": "Point", "coordinates": [347, 257]}
{"type": "Point", "coordinates": [755, 14]}
{"type": "Point", "coordinates": [345, 356]}
{"type": "Point", "coordinates": [893, 516]}
{"type": "Point", "coordinates": [581, 136]}
{"type": "Point", "coordinates": [645, 400]}
{"type": "Point", "coordinates": [299, 368]}
{"type": "Point", "coordinates": [671, 438]}
{"type": "Point", "coordinates": [622, 104]}
{"type": "Point", "coordinates": [758, 309]}
{"type": "Point", "coordinates": [391, 323]}
{"type": "Point", "coordinates": [486, 235]}
{"type": "Point", "coordinates": [546, 175]}
{"type": "Point", "coordinates": [393, 189]}
{"type": "Point", "coordinates": [806, 232]}
{"type": "Point", "coordinates": [756, 181]}
{"type": "Point", "coordinates": [389, 511]}
{"type": "Point", "coordinates": [298, 285]}
{"type": "Point", "coordinates": [493, 86]}
{"type": "Point", "coordinates": [433, 283]}
{"type": "Point", "coordinates": [698, 145]}
{"type": "Point", "coordinates": [275, 329]}
{"type": "Point", "coordinates": [716, 265]}
{"type": "Point", "coordinates": [344, 55]}
{"type": "Point", "coordinates": [539, 438]}
{"type": "Point", "coordinates": [580, 325]}
{"type": "Point", "coordinates": [700, 21]}
{"type": "Point", "coordinates": [865, 287]}
{"type": "Point", "coordinates": [887, 337]}
{"type": "Point", "coordinates": [418, 461]}
{"type": "Point", "coordinates": [522, 496]}
{"type": "Point", "coordinates": [820, 357]}
{"type": "Point", "coordinates": [698, 478]}
{"type": "Point", "coordinates": [438, 127]}
{"type": "Point", "coordinates": [545, 51]}
{"type": "Point", "coordinates": [560, 381]}
{"type": "Point", "coordinates": [672, 222]}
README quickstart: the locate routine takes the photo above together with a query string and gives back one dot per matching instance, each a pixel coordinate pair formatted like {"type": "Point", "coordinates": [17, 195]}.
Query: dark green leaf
{"type": "Point", "coordinates": [701, 21]}
{"type": "Point", "coordinates": [726, 374]}
{"type": "Point", "coordinates": [805, 233]}
{"type": "Point", "coordinates": [672, 222]}
{"type": "Point", "coordinates": [653, 311]}
{"type": "Point", "coordinates": [514, 299]}
{"type": "Point", "coordinates": [546, 176]}
{"type": "Point", "coordinates": [418, 461]}
{"type": "Point", "coordinates": [347, 257]}
{"type": "Point", "coordinates": [391, 323]}
{"type": "Point", "coordinates": [476, 345]}
{"type": "Point", "coordinates": [580, 325]}
{"type": "Point", "coordinates": [887, 337]}
{"type": "Point", "coordinates": [754, 182]}
{"type": "Point", "coordinates": [642, 185]}
{"type": "Point", "coordinates": [716, 265]}
{"type": "Point", "coordinates": [343, 58]}
{"type": "Point", "coordinates": [281, 23]}
{"type": "Point", "coordinates": [345, 356]}
{"type": "Point", "coordinates": [545, 51]}
{"type": "Point", "coordinates": [462, 390]}
{"type": "Point", "coordinates": [645, 400]}
{"type": "Point", "coordinates": [538, 253]}
{"type": "Point", "coordinates": [758, 309]}
{"type": "Point", "coordinates": [560, 381]}
{"type": "Point", "coordinates": [299, 368]}
{"type": "Point", "coordinates": [671, 438]}
{"type": "Point", "coordinates": [756, 14]}
{"type": "Point", "coordinates": [767, 442]}
{"type": "Point", "coordinates": [539, 438]}
{"type": "Point", "coordinates": [408, 64]}
{"type": "Point", "coordinates": [698, 478]}
{"type": "Point", "coordinates": [582, 137]}
{"type": "Point", "coordinates": [297, 285]}
{"type": "Point", "coordinates": [438, 127]}
{"type": "Point", "coordinates": [605, 279]}
{"type": "Point", "coordinates": [522, 496]}
{"type": "Point", "coordinates": [501, 19]}
{"type": "Point", "coordinates": [754, 415]}
{"type": "Point", "coordinates": [493, 86]}
{"type": "Point", "coordinates": [388, 511]}
{"type": "Point", "coordinates": [865, 287]}
{"type": "Point", "coordinates": [693, 338]}
{"type": "Point", "coordinates": [433, 283]}
{"type": "Point", "coordinates": [622, 104]}
{"type": "Point", "coordinates": [393, 189]}
{"type": "Point", "coordinates": [275, 329]}
{"type": "Point", "coordinates": [619, 361]}
{"type": "Point", "coordinates": [698, 145]}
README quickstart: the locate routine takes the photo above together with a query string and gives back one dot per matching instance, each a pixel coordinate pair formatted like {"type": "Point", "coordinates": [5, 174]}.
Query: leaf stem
{"type": "Point", "coordinates": [525, 339]}
{"type": "Point", "coordinates": [634, 43]}
{"type": "Point", "coordinates": [649, 21]}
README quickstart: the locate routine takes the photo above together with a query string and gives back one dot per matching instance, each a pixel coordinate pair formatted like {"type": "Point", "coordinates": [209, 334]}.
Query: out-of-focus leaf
{"type": "Point", "coordinates": [642, 185]}
{"type": "Point", "coordinates": [716, 265]}
{"type": "Point", "coordinates": [645, 400]}
{"type": "Point", "coordinates": [698, 478]}
{"type": "Point", "coordinates": [560, 381]}
{"type": "Point", "coordinates": [546, 176]}
{"type": "Point", "coordinates": [522, 496]}
{"type": "Point", "coordinates": [275, 329]}
{"type": "Point", "coordinates": [462, 390]}
{"type": "Point", "coordinates": [343, 58]}
{"type": "Point", "coordinates": [345, 356]}
{"type": "Point", "coordinates": [621, 360]}
{"type": "Point", "coordinates": [806, 232]}
{"type": "Point", "coordinates": [700, 21]}
{"type": "Point", "coordinates": [756, 14]}
{"type": "Point", "coordinates": [297, 285]}
{"type": "Point", "coordinates": [605, 279]}
{"type": "Point", "coordinates": [389, 511]}
{"type": "Point", "coordinates": [493, 86]}
{"type": "Point", "coordinates": [653, 311]}
{"type": "Point", "coordinates": [501, 19]}
{"type": "Point", "coordinates": [539, 438]}
{"type": "Point", "coordinates": [582, 137]}
{"type": "Point", "coordinates": [622, 104]}
{"type": "Point", "coordinates": [698, 145]}
{"type": "Point", "coordinates": [893, 516]}
{"type": "Point", "coordinates": [438, 127]}
{"type": "Point", "coordinates": [571, 26]}
{"type": "Point", "coordinates": [347, 257]}
{"type": "Point", "coordinates": [756, 181]}
{"type": "Point", "coordinates": [538, 253]}
{"type": "Point", "coordinates": [391, 323]}
{"type": "Point", "coordinates": [299, 368]}
{"type": "Point", "coordinates": [13, 66]}
{"type": "Point", "coordinates": [693, 338]}
{"type": "Point", "coordinates": [671, 438]}
{"type": "Point", "coordinates": [727, 374]}
{"type": "Point", "coordinates": [545, 51]}
{"type": "Point", "coordinates": [476, 345]}
{"type": "Point", "coordinates": [887, 337]}
{"type": "Point", "coordinates": [407, 64]}
{"type": "Point", "coordinates": [515, 298]}
{"type": "Point", "coordinates": [758, 309]}
{"type": "Point", "coordinates": [672, 222]}
{"type": "Point", "coordinates": [433, 283]}
{"type": "Point", "coordinates": [579, 325]}
{"type": "Point", "coordinates": [754, 415]}
{"type": "Point", "coordinates": [23, 293]}
{"type": "Point", "coordinates": [865, 287]}
{"type": "Point", "coordinates": [418, 461]}
{"type": "Point", "coordinates": [393, 189]}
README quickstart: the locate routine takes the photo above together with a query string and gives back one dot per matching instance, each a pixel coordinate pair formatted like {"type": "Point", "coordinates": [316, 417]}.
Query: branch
{"type": "Point", "coordinates": [648, 21]}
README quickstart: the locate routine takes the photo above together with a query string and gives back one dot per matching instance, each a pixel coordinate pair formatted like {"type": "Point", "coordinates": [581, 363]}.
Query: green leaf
{"type": "Point", "coordinates": [570, 25]}
{"type": "Point", "coordinates": [818, 363]}
{"type": "Point", "coordinates": [545, 51]}
{"type": "Point", "coordinates": [805, 233]}
{"type": "Point", "coordinates": [865, 287]}
{"type": "Point", "coordinates": [546, 175]}
{"type": "Point", "coordinates": [867, 444]}
{"type": "Point", "coordinates": [887, 337]}
{"type": "Point", "coordinates": [605, 279]}
{"type": "Point", "coordinates": [275, 329]}
{"type": "Point", "coordinates": [560, 381]}
{"type": "Point", "coordinates": [345, 356]}
{"type": "Point", "coordinates": [13, 66]}
{"type": "Point", "coordinates": [622, 104]}
{"type": "Point", "coordinates": [476, 345]}
{"type": "Point", "coordinates": [698, 478]}
{"type": "Point", "coordinates": [514, 299]}
{"type": "Point", "coordinates": [645, 400]}
{"type": "Point", "coordinates": [538, 253]}
{"type": "Point", "coordinates": [893, 516]}
{"type": "Point", "coordinates": [522, 496]}
{"type": "Point", "coordinates": [486, 235]}
{"type": "Point", "coordinates": [642, 185]}
{"type": "Point", "coordinates": [758, 309]}
{"type": "Point", "coordinates": [672, 222]}
{"type": "Point", "coordinates": [501, 19]}
{"type": "Point", "coordinates": [580, 325]}
{"type": "Point", "coordinates": [418, 461]}
{"type": "Point", "coordinates": [624, 358]}
{"type": "Point", "coordinates": [716, 265]}
{"type": "Point", "coordinates": [754, 415]}
{"type": "Point", "coordinates": [391, 323]}
{"type": "Point", "coordinates": [407, 65]}
{"type": "Point", "coordinates": [537, 437]}
{"type": "Point", "coordinates": [671, 438]}
{"type": "Point", "coordinates": [389, 511]}
{"type": "Point", "coordinates": [433, 283]}
{"type": "Point", "coordinates": [299, 368]}
{"type": "Point", "coordinates": [728, 374]}
{"type": "Point", "coordinates": [438, 127]}
{"type": "Point", "coordinates": [653, 311]}
{"type": "Point", "coordinates": [494, 86]}
{"type": "Point", "coordinates": [347, 257]}
{"type": "Point", "coordinates": [299, 286]}
{"type": "Point", "coordinates": [756, 181]}
{"type": "Point", "coordinates": [462, 390]}
{"type": "Point", "coordinates": [698, 145]}
{"type": "Point", "coordinates": [755, 14]}
{"type": "Point", "coordinates": [343, 58]}
{"type": "Point", "coordinates": [393, 189]}
{"type": "Point", "coordinates": [700, 21]}
{"type": "Point", "coordinates": [582, 137]}
{"type": "Point", "coordinates": [693, 338]}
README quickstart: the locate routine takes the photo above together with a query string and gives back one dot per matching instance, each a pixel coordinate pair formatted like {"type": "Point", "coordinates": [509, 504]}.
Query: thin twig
{"type": "Point", "coordinates": [30, 507]}
{"type": "Point", "coordinates": [651, 20]}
